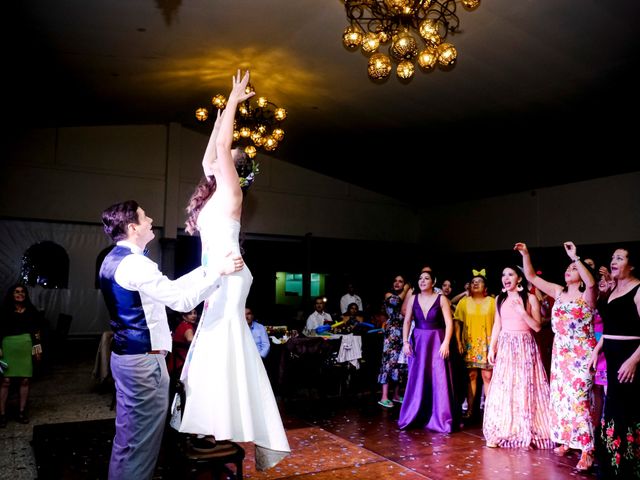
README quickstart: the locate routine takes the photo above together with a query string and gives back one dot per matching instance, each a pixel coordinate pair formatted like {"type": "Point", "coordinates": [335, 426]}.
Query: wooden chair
{"type": "Point", "coordinates": [215, 462]}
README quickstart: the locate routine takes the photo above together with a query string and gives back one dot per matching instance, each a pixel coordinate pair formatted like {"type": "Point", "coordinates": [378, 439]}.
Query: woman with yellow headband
{"type": "Point", "coordinates": [474, 314]}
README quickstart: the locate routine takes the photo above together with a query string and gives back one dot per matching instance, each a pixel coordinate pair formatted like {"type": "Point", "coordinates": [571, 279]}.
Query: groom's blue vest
{"type": "Point", "coordinates": [129, 325]}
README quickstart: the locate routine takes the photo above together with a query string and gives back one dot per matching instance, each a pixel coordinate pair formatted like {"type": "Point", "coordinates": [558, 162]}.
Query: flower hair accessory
{"type": "Point", "coordinates": [248, 175]}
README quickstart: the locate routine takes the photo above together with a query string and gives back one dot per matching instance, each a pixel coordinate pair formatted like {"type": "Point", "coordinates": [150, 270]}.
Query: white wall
{"type": "Point", "coordinates": [72, 174]}
{"type": "Point", "coordinates": [604, 210]}
{"type": "Point", "coordinates": [83, 244]}
{"type": "Point", "coordinates": [54, 183]}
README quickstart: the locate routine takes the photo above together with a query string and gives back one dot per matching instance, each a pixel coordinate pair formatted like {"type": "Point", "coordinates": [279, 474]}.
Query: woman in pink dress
{"type": "Point", "coordinates": [573, 344]}
{"type": "Point", "coordinates": [516, 410]}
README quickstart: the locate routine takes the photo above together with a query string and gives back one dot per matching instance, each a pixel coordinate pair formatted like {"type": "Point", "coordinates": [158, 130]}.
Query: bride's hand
{"type": "Point", "coordinates": [238, 90]}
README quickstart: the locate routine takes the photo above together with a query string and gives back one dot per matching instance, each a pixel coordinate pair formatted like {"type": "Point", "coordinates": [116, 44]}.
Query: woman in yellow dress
{"type": "Point", "coordinates": [474, 315]}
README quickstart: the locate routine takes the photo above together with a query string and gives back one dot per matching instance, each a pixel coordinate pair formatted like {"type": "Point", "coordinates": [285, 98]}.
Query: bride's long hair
{"type": "Point", "coordinates": [208, 185]}
{"type": "Point", "coordinates": [202, 193]}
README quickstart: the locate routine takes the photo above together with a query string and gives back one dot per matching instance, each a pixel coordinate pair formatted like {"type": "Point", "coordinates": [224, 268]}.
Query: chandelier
{"type": "Point", "coordinates": [413, 29]}
{"type": "Point", "coordinates": [257, 125]}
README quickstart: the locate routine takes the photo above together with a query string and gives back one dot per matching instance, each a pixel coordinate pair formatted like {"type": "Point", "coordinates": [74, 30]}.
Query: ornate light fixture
{"type": "Point", "coordinates": [258, 122]}
{"type": "Point", "coordinates": [414, 30]}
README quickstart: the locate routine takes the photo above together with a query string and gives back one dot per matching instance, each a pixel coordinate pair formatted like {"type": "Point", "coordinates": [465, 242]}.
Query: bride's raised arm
{"type": "Point", "coordinates": [228, 176]}
{"type": "Point", "coordinates": [209, 158]}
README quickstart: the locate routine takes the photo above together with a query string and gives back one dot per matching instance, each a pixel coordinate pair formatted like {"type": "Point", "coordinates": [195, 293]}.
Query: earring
{"type": "Point", "coordinates": [519, 287]}
{"type": "Point", "coordinates": [504, 290]}
{"type": "Point", "coordinates": [581, 284]}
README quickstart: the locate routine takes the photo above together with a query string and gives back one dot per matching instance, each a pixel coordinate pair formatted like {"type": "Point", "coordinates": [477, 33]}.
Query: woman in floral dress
{"type": "Point", "coordinates": [573, 344]}
{"type": "Point", "coordinates": [392, 370]}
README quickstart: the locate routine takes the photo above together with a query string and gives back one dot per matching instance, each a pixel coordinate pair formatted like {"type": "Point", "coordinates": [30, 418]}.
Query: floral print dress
{"type": "Point", "coordinates": [477, 325]}
{"type": "Point", "coordinates": [571, 380]}
{"type": "Point", "coordinates": [391, 369]}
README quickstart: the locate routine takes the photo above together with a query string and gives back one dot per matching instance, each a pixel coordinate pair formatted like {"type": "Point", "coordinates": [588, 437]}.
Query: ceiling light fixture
{"type": "Point", "coordinates": [258, 124]}
{"type": "Point", "coordinates": [414, 30]}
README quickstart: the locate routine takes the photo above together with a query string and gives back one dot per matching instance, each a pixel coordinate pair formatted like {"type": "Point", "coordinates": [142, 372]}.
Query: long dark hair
{"type": "Point", "coordinates": [208, 186]}
{"type": "Point", "coordinates": [9, 304]}
{"type": "Point", "coordinates": [524, 293]}
{"type": "Point", "coordinates": [201, 194]}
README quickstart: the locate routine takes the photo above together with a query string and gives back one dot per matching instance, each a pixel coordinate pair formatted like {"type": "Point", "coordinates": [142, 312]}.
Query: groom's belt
{"type": "Point", "coordinates": [157, 352]}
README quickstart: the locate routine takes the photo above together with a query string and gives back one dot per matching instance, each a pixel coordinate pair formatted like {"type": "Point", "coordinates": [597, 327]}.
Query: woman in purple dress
{"type": "Point", "coordinates": [428, 399]}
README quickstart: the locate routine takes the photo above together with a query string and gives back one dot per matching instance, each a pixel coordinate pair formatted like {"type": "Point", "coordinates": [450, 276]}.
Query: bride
{"type": "Point", "coordinates": [228, 394]}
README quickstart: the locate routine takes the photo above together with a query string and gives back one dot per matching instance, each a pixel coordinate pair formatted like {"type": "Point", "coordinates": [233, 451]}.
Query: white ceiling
{"type": "Point", "coordinates": [528, 74]}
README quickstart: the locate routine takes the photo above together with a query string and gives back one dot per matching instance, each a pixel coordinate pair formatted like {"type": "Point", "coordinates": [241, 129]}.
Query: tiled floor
{"type": "Point", "coordinates": [67, 393]}
{"type": "Point", "coordinates": [331, 439]}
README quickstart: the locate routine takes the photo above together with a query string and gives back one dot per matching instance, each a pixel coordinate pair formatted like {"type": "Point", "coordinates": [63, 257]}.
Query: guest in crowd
{"type": "Point", "coordinates": [465, 293]}
{"type": "Point", "coordinates": [349, 298]}
{"type": "Point", "coordinates": [600, 374]}
{"type": "Point", "coordinates": [182, 337]}
{"type": "Point", "coordinates": [516, 411]}
{"type": "Point", "coordinates": [573, 344]}
{"type": "Point", "coordinates": [348, 321]}
{"type": "Point", "coordinates": [20, 341]}
{"type": "Point", "coordinates": [428, 400]}
{"type": "Point", "coordinates": [447, 288]}
{"type": "Point", "coordinates": [318, 318]}
{"type": "Point", "coordinates": [379, 317]}
{"type": "Point", "coordinates": [258, 332]}
{"type": "Point", "coordinates": [544, 338]}
{"type": "Point", "coordinates": [392, 371]}
{"type": "Point", "coordinates": [474, 315]}
{"type": "Point", "coordinates": [619, 449]}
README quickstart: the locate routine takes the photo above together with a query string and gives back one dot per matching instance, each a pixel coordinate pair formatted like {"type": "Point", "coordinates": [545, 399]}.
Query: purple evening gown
{"type": "Point", "coordinates": [428, 399]}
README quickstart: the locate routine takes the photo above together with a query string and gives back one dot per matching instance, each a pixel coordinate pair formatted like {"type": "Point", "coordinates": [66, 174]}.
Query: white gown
{"type": "Point", "coordinates": [228, 394]}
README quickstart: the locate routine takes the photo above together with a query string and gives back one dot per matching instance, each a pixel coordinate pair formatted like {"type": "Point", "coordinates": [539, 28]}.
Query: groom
{"type": "Point", "coordinates": [136, 293]}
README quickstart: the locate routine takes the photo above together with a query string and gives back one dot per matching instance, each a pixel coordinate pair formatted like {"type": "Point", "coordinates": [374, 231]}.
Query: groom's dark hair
{"type": "Point", "coordinates": [116, 218]}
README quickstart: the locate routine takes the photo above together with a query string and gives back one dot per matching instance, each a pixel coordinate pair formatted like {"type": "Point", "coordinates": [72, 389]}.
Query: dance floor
{"type": "Point", "coordinates": [346, 436]}
{"type": "Point", "coordinates": [329, 441]}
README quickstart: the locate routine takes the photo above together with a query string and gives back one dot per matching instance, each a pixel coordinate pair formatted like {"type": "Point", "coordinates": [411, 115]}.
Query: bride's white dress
{"type": "Point", "coordinates": [228, 394]}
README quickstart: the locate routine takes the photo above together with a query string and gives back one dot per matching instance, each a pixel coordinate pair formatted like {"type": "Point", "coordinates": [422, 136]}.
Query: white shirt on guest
{"type": "Point", "coordinates": [315, 320]}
